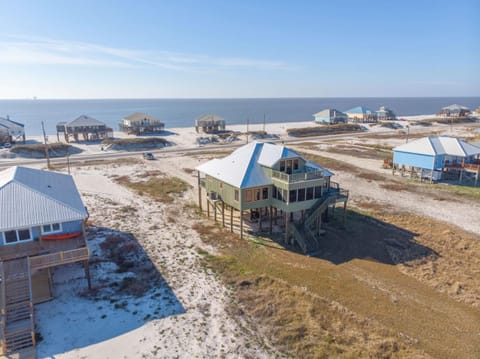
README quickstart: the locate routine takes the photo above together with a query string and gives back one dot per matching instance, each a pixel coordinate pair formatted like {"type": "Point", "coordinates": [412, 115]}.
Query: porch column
{"type": "Point", "coordinates": [260, 219]}
{"type": "Point", "coordinates": [223, 214]}
{"type": "Point", "coordinates": [199, 191]}
{"type": "Point", "coordinates": [87, 274]}
{"type": "Point", "coordinates": [208, 208]}
{"type": "Point", "coordinates": [286, 228]}
{"type": "Point", "coordinates": [241, 224]}
{"type": "Point", "coordinates": [231, 219]}
{"type": "Point", "coordinates": [271, 219]}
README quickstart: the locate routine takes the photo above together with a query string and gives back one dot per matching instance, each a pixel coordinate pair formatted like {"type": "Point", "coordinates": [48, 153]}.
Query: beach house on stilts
{"type": "Point", "coordinates": [42, 220]}
{"type": "Point", "coordinates": [272, 185]}
{"type": "Point", "coordinates": [437, 158]}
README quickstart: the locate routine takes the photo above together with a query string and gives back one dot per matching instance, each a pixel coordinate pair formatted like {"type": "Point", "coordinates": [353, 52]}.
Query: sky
{"type": "Point", "coordinates": [238, 49]}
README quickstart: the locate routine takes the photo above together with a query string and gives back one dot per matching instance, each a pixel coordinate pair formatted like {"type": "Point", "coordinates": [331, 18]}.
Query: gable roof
{"type": "Point", "coordinates": [439, 145]}
{"type": "Point", "coordinates": [360, 110]}
{"type": "Point", "coordinates": [31, 197]}
{"type": "Point", "coordinates": [243, 167]}
{"type": "Point", "coordinates": [455, 107]}
{"type": "Point", "coordinates": [210, 118]}
{"type": "Point", "coordinates": [9, 124]}
{"type": "Point", "coordinates": [139, 116]}
{"type": "Point", "coordinates": [329, 112]}
{"type": "Point", "coordinates": [85, 120]}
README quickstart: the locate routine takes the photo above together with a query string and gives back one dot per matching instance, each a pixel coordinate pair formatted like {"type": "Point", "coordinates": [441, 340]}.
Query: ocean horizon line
{"type": "Point", "coordinates": [232, 98]}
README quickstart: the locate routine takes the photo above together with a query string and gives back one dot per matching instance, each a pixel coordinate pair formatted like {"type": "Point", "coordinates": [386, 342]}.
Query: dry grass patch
{"type": "Point", "coordinates": [161, 189]}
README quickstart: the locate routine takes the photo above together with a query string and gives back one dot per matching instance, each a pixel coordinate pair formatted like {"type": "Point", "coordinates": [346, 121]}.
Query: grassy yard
{"type": "Point", "coordinates": [354, 300]}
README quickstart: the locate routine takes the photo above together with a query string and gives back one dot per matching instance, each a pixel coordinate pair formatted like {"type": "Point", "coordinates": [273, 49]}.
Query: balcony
{"type": "Point", "coordinates": [44, 254]}
{"type": "Point", "coordinates": [297, 177]}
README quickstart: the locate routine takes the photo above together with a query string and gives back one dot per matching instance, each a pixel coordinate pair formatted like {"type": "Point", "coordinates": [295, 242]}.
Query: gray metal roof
{"type": "Point", "coordinates": [31, 197]}
{"type": "Point", "coordinates": [85, 121]}
{"type": "Point", "coordinates": [439, 145]}
{"type": "Point", "coordinates": [7, 123]}
{"type": "Point", "coordinates": [209, 119]}
{"type": "Point", "coordinates": [243, 168]}
{"type": "Point", "coordinates": [140, 116]}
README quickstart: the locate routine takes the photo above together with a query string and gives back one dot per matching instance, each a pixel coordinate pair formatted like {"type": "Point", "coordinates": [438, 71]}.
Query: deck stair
{"type": "Point", "coordinates": [307, 234]}
{"type": "Point", "coordinates": [17, 323]}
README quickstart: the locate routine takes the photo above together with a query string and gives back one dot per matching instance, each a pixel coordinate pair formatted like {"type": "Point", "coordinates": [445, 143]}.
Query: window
{"type": "Point", "coordinates": [295, 164]}
{"type": "Point", "coordinates": [265, 193]}
{"type": "Point", "coordinates": [51, 228]}
{"type": "Point", "coordinates": [282, 166]}
{"type": "Point", "coordinates": [23, 234]}
{"type": "Point", "coordinates": [301, 194]}
{"type": "Point", "coordinates": [236, 195]}
{"type": "Point", "coordinates": [318, 192]}
{"type": "Point", "coordinates": [279, 195]}
{"type": "Point", "coordinates": [248, 195]}
{"type": "Point", "coordinates": [274, 192]}
{"type": "Point", "coordinates": [309, 193]}
{"type": "Point", "coordinates": [10, 236]}
{"type": "Point", "coordinates": [257, 195]}
{"type": "Point", "coordinates": [293, 196]}
{"type": "Point", "coordinates": [289, 167]}
{"type": "Point", "coordinates": [17, 235]}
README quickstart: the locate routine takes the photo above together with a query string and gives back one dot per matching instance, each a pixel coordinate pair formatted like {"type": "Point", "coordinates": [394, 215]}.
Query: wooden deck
{"type": "Point", "coordinates": [36, 248]}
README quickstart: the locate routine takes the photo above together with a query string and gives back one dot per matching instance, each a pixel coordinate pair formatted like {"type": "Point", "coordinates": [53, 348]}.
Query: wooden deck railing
{"type": "Point", "coordinates": [58, 258]}
{"type": "Point", "coordinates": [297, 177]}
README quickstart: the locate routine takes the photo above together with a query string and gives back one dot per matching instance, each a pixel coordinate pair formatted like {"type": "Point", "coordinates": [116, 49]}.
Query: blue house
{"type": "Point", "coordinates": [42, 220]}
{"type": "Point", "coordinates": [36, 204]}
{"type": "Point", "coordinates": [331, 116]}
{"type": "Point", "coordinates": [435, 156]}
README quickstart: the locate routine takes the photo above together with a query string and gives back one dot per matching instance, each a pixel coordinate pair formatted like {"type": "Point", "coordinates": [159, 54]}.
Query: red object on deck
{"type": "Point", "coordinates": [54, 237]}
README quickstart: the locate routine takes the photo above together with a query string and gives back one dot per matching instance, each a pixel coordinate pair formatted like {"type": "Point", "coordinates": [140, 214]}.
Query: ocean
{"type": "Point", "coordinates": [182, 112]}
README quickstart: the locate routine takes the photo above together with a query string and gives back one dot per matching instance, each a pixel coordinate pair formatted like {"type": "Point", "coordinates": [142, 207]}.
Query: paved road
{"type": "Point", "coordinates": [170, 151]}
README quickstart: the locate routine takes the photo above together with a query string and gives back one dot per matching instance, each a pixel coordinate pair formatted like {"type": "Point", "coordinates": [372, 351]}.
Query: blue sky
{"type": "Point", "coordinates": [204, 49]}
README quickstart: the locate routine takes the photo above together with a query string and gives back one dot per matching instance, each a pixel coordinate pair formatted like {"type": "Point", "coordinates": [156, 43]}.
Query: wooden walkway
{"type": "Point", "coordinates": [17, 324]}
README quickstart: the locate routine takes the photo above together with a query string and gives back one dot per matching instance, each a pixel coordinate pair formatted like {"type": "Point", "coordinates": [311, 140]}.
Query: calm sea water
{"type": "Point", "coordinates": [182, 112]}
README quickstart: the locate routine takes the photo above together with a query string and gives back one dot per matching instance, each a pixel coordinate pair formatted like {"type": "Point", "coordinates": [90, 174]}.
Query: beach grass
{"type": "Point", "coordinates": [162, 189]}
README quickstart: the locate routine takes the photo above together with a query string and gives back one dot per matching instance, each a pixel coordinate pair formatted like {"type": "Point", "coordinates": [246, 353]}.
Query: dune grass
{"type": "Point", "coordinates": [162, 189]}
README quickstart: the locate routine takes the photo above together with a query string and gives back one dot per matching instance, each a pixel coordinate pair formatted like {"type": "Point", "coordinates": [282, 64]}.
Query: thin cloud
{"type": "Point", "coordinates": [42, 51]}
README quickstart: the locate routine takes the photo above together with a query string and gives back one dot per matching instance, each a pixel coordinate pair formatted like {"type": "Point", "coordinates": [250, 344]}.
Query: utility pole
{"type": "Point", "coordinates": [47, 156]}
{"type": "Point", "coordinates": [408, 132]}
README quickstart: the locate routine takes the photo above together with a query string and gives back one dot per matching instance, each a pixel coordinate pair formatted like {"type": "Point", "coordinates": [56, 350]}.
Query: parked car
{"type": "Point", "coordinates": [7, 145]}
{"type": "Point", "coordinates": [148, 156]}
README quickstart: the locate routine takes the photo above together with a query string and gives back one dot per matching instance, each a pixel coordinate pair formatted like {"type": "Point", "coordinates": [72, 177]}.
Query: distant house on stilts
{"type": "Point", "coordinates": [140, 123]}
{"type": "Point", "coordinates": [87, 127]}
{"type": "Point", "coordinates": [438, 158]}
{"type": "Point", "coordinates": [209, 124]}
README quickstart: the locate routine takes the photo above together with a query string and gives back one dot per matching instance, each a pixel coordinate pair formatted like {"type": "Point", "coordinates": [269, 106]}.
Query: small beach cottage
{"type": "Point", "coordinates": [385, 114]}
{"type": "Point", "coordinates": [41, 226]}
{"type": "Point", "coordinates": [361, 114]}
{"type": "Point", "coordinates": [140, 123]}
{"type": "Point", "coordinates": [11, 131]}
{"type": "Point", "coordinates": [209, 124]}
{"type": "Point", "coordinates": [454, 111]}
{"type": "Point", "coordinates": [331, 116]}
{"type": "Point", "coordinates": [87, 127]}
{"type": "Point", "coordinates": [439, 157]}
{"type": "Point", "coordinates": [271, 183]}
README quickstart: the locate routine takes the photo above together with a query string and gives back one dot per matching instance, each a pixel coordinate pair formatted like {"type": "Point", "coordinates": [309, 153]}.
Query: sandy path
{"type": "Point", "coordinates": [205, 329]}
